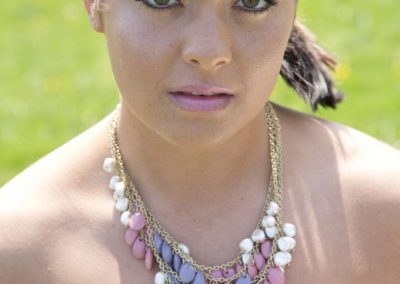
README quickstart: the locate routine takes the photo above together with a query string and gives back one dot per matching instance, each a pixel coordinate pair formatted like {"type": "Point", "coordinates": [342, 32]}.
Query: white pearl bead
{"type": "Point", "coordinates": [246, 258]}
{"type": "Point", "coordinates": [270, 232]}
{"type": "Point", "coordinates": [159, 278]}
{"type": "Point", "coordinates": [289, 230]}
{"type": "Point", "coordinates": [184, 248]}
{"type": "Point", "coordinates": [109, 165]}
{"type": "Point", "coordinates": [113, 181]}
{"type": "Point", "coordinates": [268, 221]}
{"type": "Point", "coordinates": [120, 188]}
{"type": "Point", "coordinates": [286, 243]}
{"type": "Point", "coordinates": [116, 196]}
{"type": "Point", "coordinates": [125, 218]}
{"type": "Point", "coordinates": [122, 204]}
{"type": "Point", "coordinates": [282, 258]}
{"type": "Point", "coordinates": [246, 245]}
{"type": "Point", "coordinates": [258, 235]}
{"type": "Point", "coordinates": [272, 208]}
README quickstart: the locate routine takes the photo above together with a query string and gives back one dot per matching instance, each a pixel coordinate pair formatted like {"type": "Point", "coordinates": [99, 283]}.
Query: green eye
{"type": "Point", "coordinates": [256, 6]}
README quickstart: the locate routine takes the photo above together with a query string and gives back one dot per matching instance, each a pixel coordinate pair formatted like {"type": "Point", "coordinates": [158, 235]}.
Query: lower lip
{"type": "Point", "coordinates": [201, 103]}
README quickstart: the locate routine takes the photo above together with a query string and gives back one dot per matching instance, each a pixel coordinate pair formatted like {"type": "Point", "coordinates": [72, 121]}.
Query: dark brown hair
{"type": "Point", "coordinates": [306, 67]}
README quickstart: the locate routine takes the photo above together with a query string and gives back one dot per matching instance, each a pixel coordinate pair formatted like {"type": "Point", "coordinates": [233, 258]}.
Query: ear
{"type": "Point", "coordinates": [94, 15]}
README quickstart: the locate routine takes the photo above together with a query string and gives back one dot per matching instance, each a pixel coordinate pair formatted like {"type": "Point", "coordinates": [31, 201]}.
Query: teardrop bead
{"type": "Point", "coordinates": [120, 188]}
{"type": "Point", "coordinates": [229, 272]}
{"type": "Point", "coordinates": [125, 218]}
{"type": "Point", "coordinates": [137, 221]}
{"type": "Point", "coordinates": [166, 253]}
{"type": "Point", "coordinates": [289, 230]}
{"type": "Point", "coordinates": [157, 241]}
{"type": "Point", "coordinates": [272, 208]}
{"type": "Point", "coordinates": [259, 260]}
{"type": "Point", "coordinates": [246, 245]}
{"type": "Point", "coordinates": [276, 276]}
{"type": "Point", "coordinates": [177, 262]}
{"type": "Point", "coordinates": [243, 280]}
{"type": "Point", "coordinates": [139, 249]}
{"type": "Point", "coordinates": [238, 268]}
{"type": "Point", "coordinates": [149, 259]}
{"type": "Point", "coordinates": [122, 204]}
{"type": "Point", "coordinates": [252, 271]}
{"type": "Point", "coordinates": [109, 165]}
{"type": "Point", "coordinates": [258, 235]}
{"type": "Point", "coordinates": [113, 181]}
{"type": "Point", "coordinates": [217, 273]}
{"type": "Point", "coordinates": [199, 279]}
{"type": "Point", "coordinates": [266, 249]}
{"type": "Point", "coordinates": [270, 232]}
{"type": "Point", "coordinates": [131, 236]}
{"type": "Point", "coordinates": [268, 221]}
{"type": "Point", "coordinates": [246, 258]}
{"type": "Point", "coordinates": [187, 273]}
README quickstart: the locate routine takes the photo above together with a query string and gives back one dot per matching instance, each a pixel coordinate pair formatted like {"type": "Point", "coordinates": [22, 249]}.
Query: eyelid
{"type": "Point", "coordinates": [161, 7]}
{"type": "Point", "coordinates": [266, 7]}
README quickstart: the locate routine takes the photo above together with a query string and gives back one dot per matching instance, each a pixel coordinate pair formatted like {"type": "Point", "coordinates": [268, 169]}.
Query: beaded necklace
{"type": "Point", "coordinates": [262, 257]}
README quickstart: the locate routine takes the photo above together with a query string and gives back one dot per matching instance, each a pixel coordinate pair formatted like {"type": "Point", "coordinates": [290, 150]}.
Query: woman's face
{"type": "Point", "coordinates": [196, 42]}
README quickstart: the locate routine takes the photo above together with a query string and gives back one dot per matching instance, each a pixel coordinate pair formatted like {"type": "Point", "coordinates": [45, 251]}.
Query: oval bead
{"type": "Point", "coordinates": [272, 208]}
{"type": "Point", "coordinates": [289, 229]}
{"type": "Point", "coordinates": [243, 280]}
{"type": "Point", "coordinates": [157, 241]}
{"type": "Point", "coordinates": [159, 278]}
{"type": "Point", "coordinates": [139, 249]}
{"type": "Point", "coordinates": [177, 262]}
{"type": "Point", "coordinates": [137, 221]}
{"type": "Point", "coordinates": [266, 249]}
{"type": "Point", "coordinates": [184, 248]}
{"type": "Point", "coordinates": [286, 243]}
{"type": "Point", "coordinates": [172, 278]}
{"type": "Point", "coordinates": [187, 273]}
{"type": "Point", "coordinates": [120, 188]}
{"type": "Point", "coordinates": [199, 279]}
{"type": "Point", "coordinates": [258, 235]}
{"type": "Point", "coordinates": [246, 258]}
{"type": "Point", "coordinates": [270, 232]}
{"type": "Point", "coordinates": [281, 258]}
{"type": "Point", "coordinates": [252, 271]}
{"type": "Point", "coordinates": [259, 260]}
{"type": "Point", "coordinates": [113, 181]}
{"type": "Point", "coordinates": [217, 273]}
{"type": "Point", "coordinates": [268, 221]}
{"type": "Point", "coordinates": [149, 259]}
{"type": "Point", "coordinates": [246, 245]}
{"type": "Point", "coordinates": [125, 218]}
{"type": "Point", "coordinates": [229, 272]}
{"type": "Point", "coordinates": [166, 253]}
{"type": "Point", "coordinates": [109, 165]}
{"type": "Point", "coordinates": [122, 204]}
{"type": "Point", "coordinates": [131, 236]}
{"type": "Point", "coordinates": [276, 276]}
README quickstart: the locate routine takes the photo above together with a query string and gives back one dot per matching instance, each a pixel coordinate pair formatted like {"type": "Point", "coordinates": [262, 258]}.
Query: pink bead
{"type": "Point", "coordinates": [216, 273]}
{"type": "Point", "coordinates": [136, 221]}
{"type": "Point", "coordinates": [149, 259]}
{"type": "Point", "coordinates": [266, 248]}
{"type": "Point", "coordinates": [238, 268]}
{"type": "Point", "coordinates": [259, 260]}
{"type": "Point", "coordinates": [229, 272]}
{"type": "Point", "coordinates": [139, 249]}
{"type": "Point", "coordinates": [276, 276]}
{"type": "Point", "coordinates": [131, 236]}
{"type": "Point", "coordinates": [252, 271]}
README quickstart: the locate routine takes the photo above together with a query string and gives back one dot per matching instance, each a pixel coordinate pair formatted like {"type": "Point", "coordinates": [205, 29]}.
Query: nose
{"type": "Point", "coordinates": [206, 44]}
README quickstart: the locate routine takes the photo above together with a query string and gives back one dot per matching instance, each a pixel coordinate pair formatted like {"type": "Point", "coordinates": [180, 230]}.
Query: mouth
{"type": "Point", "coordinates": [191, 101]}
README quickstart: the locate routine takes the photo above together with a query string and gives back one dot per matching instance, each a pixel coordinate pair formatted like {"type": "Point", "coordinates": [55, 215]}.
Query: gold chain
{"type": "Point", "coordinates": [274, 194]}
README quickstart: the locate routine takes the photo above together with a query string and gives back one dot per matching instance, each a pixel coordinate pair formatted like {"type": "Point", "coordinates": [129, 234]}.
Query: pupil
{"type": "Point", "coordinates": [161, 2]}
{"type": "Point", "coordinates": [250, 3]}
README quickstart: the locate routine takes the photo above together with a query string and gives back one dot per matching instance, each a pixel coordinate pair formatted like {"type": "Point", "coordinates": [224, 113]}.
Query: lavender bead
{"type": "Point", "coordinates": [199, 279]}
{"type": "Point", "coordinates": [177, 263]}
{"type": "Point", "coordinates": [243, 280]}
{"type": "Point", "coordinates": [173, 279]}
{"type": "Point", "coordinates": [187, 273]}
{"type": "Point", "coordinates": [166, 253]}
{"type": "Point", "coordinates": [157, 241]}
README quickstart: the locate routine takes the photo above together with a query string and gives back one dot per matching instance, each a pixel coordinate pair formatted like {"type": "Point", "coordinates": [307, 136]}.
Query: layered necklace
{"type": "Point", "coordinates": [262, 257]}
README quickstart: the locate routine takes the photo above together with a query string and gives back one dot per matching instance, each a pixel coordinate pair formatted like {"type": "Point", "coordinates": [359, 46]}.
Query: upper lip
{"type": "Point", "coordinates": [204, 90]}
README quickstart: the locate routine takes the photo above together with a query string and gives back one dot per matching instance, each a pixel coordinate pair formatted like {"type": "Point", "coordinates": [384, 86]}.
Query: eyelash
{"type": "Point", "coordinates": [271, 3]}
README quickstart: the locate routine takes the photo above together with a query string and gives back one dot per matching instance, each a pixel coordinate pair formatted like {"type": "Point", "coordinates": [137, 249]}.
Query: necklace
{"type": "Point", "coordinates": [262, 257]}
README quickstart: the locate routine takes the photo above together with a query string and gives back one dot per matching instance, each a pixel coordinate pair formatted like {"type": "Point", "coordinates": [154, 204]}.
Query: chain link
{"type": "Point", "coordinates": [274, 193]}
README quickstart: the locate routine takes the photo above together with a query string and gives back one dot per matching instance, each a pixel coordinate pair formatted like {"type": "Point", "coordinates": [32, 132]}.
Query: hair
{"type": "Point", "coordinates": [305, 68]}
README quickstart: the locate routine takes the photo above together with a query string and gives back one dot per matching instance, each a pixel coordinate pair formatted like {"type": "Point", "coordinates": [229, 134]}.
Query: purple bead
{"type": "Point", "coordinates": [187, 273]}
{"type": "Point", "coordinates": [243, 280]}
{"type": "Point", "coordinates": [173, 279]}
{"type": "Point", "coordinates": [199, 279]}
{"type": "Point", "coordinates": [177, 262]}
{"type": "Point", "coordinates": [157, 241]}
{"type": "Point", "coordinates": [166, 253]}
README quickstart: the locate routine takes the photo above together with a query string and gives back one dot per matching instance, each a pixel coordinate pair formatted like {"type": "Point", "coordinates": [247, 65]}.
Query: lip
{"type": "Point", "coordinates": [205, 90]}
{"type": "Point", "coordinates": [200, 103]}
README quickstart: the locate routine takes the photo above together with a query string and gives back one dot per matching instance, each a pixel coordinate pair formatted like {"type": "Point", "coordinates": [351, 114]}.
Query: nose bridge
{"type": "Point", "coordinates": [206, 42]}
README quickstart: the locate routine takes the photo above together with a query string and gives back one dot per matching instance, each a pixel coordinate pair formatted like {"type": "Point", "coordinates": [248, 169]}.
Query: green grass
{"type": "Point", "coordinates": [55, 78]}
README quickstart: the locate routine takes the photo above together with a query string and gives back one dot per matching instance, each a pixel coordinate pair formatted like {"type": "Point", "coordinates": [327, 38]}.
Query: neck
{"type": "Point", "coordinates": [158, 166]}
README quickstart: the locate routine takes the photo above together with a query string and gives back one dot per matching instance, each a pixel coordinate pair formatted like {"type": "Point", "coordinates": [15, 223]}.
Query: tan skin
{"type": "Point", "coordinates": [203, 175]}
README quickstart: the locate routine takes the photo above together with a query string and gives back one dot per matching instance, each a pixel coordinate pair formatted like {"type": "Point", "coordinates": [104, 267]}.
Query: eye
{"type": "Point", "coordinates": [159, 4]}
{"type": "Point", "coordinates": [255, 6]}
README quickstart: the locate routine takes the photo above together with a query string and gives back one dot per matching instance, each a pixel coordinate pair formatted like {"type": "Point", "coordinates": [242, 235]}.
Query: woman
{"type": "Point", "coordinates": [194, 77]}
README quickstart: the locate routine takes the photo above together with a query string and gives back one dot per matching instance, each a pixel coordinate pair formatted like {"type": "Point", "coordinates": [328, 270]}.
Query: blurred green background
{"type": "Point", "coordinates": [56, 81]}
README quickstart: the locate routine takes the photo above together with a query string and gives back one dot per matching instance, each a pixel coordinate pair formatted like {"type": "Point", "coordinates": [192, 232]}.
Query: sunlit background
{"type": "Point", "coordinates": [55, 78]}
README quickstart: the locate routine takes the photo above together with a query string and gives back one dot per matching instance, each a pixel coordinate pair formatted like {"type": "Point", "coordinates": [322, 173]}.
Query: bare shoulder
{"type": "Point", "coordinates": [35, 206]}
{"type": "Point", "coordinates": [360, 176]}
